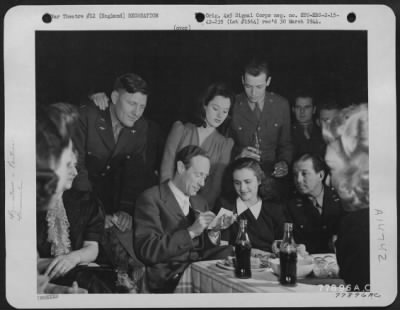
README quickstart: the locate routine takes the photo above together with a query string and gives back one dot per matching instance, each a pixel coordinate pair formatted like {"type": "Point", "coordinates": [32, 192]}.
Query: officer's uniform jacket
{"type": "Point", "coordinates": [114, 170]}
{"type": "Point", "coordinates": [273, 128]}
{"type": "Point", "coordinates": [311, 228]}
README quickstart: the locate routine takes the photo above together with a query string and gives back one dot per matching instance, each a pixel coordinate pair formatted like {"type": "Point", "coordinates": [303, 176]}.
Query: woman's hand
{"type": "Point", "coordinates": [75, 289]}
{"type": "Point", "coordinates": [61, 265]}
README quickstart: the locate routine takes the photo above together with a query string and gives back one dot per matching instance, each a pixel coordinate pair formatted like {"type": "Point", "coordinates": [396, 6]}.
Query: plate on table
{"type": "Point", "coordinates": [228, 264]}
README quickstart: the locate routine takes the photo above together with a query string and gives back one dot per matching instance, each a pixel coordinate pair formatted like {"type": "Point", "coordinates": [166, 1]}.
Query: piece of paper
{"type": "Point", "coordinates": [220, 214]}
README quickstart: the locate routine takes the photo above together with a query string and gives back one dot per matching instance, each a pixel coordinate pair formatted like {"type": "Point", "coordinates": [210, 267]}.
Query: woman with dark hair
{"type": "Point", "coordinates": [256, 201]}
{"type": "Point", "coordinates": [69, 223]}
{"type": "Point", "coordinates": [52, 148]}
{"type": "Point", "coordinates": [347, 155]}
{"type": "Point", "coordinates": [212, 111]}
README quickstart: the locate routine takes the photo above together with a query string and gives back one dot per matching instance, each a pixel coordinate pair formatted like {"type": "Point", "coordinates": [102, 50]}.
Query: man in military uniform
{"type": "Point", "coordinates": [306, 135]}
{"type": "Point", "coordinates": [315, 209]}
{"type": "Point", "coordinates": [260, 124]}
{"type": "Point", "coordinates": [111, 146]}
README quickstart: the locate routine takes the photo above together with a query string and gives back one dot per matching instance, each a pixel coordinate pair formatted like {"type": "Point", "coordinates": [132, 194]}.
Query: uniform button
{"type": "Point", "coordinates": [103, 174]}
{"type": "Point", "coordinates": [108, 167]}
{"type": "Point", "coordinates": [301, 226]}
{"type": "Point", "coordinates": [175, 276]}
{"type": "Point", "coordinates": [89, 153]}
{"type": "Point", "coordinates": [324, 227]}
{"type": "Point", "coordinates": [128, 156]}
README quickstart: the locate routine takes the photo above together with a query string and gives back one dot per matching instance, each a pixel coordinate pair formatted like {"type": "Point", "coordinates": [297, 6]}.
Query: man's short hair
{"type": "Point", "coordinates": [329, 104]}
{"type": "Point", "coordinates": [304, 92]}
{"type": "Point", "coordinates": [186, 154]}
{"type": "Point", "coordinates": [256, 66]}
{"type": "Point", "coordinates": [316, 160]}
{"type": "Point", "coordinates": [131, 83]}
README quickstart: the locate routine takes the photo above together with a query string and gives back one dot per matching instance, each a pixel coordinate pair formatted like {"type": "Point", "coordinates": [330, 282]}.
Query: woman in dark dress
{"type": "Point", "coordinates": [254, 199]}
{"type": "Point", "coordinates": [68, 233]}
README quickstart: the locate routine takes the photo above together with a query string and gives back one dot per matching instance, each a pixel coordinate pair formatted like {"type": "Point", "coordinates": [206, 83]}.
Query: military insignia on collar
{"type": "Point", "coordinates": [102, 128]}
{"type": "Point", "coordinates": [133, 131]}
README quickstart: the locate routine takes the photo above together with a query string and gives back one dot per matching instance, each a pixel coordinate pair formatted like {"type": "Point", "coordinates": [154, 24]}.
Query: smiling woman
{"type": "Point", "coordinates": [254, 200]}
{"type": "Point", "coordinates": [211, 113]}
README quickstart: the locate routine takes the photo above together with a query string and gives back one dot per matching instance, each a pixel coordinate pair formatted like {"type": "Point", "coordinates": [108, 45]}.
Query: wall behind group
{"type": "Point", "coordinates": [178, 65]}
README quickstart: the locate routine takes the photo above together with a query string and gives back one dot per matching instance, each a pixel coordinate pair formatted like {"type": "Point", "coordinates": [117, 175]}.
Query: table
{"type": "Point", "coordinates": [207, 277]}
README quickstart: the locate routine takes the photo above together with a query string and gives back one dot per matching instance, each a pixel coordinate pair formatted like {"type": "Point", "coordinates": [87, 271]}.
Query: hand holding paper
{"type": "Point", "coordinates": [223, 220]}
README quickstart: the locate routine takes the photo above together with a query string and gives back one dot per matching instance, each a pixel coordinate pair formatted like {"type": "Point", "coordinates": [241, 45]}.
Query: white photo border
{"type": "Point", "coordinates": [20, 24]}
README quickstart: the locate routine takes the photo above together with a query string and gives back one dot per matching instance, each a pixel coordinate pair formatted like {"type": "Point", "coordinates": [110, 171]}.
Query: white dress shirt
{"type": "Point", "coordinates": [181, 198]}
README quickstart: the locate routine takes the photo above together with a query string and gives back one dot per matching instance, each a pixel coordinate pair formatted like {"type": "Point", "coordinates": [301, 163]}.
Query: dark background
{"type": "Point", "coordinates": [179, 64]}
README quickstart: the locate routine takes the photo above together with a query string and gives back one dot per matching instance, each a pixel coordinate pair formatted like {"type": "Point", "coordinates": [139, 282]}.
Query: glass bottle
{"type": "Point", "coordinates": [256, 142]}
{"type": "Point", "coordinates": [242, 252]}
{"type": "Point", "coordinates": [288, 257]}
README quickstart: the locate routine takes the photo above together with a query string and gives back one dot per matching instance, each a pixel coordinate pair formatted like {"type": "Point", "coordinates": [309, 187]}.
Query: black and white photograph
{"type": "Point", "coordinates": [223, 156]}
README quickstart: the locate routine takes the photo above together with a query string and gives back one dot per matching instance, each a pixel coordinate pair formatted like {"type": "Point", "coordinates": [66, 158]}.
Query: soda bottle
{"type": "Point", "coordinates": [256, 142]}
{"type": "Point", "coordinates": [288, 257]}
{"type": "Point", "coordinates": [242, 252]}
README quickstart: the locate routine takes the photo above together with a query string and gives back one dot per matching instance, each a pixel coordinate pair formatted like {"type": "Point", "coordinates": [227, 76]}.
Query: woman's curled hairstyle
{"type": "Point", "coordinates": [348, 143]}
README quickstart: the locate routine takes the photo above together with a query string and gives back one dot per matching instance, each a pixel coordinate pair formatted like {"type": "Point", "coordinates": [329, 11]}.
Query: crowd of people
{"type": "Point", "coordinates": [120, 210]}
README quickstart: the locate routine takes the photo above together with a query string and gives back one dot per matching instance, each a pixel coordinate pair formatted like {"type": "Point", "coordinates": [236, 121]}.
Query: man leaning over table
{"type": "Point", "coordinates": [170, 224]}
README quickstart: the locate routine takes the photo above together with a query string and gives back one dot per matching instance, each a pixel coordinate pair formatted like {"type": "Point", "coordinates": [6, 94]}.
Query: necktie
{"type": "Point", "coordinates": [117, 130]}
{"type": "Point", "coordinates": [318, 207]}
{"type": "Point", "coordinates": [257, 111]}
{"type": "Point", "coordinates": [316, 204]}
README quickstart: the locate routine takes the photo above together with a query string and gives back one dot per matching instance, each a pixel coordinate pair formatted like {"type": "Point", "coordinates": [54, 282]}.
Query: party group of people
{"type": "Point", "coordinates": [121, 210]}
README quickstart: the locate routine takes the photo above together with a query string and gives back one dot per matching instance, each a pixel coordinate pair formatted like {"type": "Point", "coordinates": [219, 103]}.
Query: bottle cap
{"type": "Point", "coordinates": [243, 222]}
